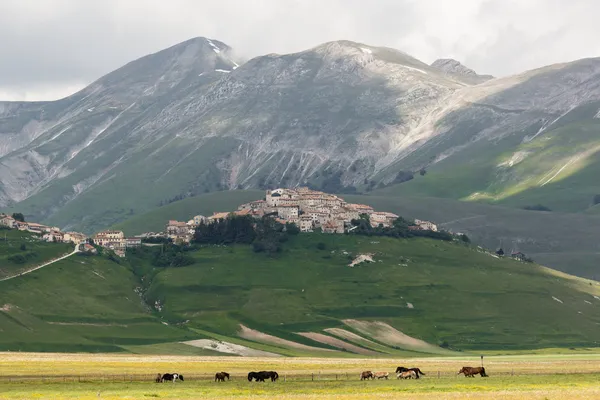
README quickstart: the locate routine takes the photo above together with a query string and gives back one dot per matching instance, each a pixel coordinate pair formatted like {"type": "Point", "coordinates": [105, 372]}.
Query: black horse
{"type": "Point", "coordinates": [417, 371]}
{"type": "Point", "coordinates": [171, 377]}
{"type": "Point", "coordinates": [261, 376]}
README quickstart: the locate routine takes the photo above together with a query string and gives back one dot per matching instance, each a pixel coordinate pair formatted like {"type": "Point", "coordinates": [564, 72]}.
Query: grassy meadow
{"type": "Point", "coordinates": [117, 377]}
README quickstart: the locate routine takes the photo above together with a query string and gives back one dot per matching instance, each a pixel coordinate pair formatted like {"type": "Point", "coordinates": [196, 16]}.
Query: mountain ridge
{"type": "Point", "coordinates": [339, 116]}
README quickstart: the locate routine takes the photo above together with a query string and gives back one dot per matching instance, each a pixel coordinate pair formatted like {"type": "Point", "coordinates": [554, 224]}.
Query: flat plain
{"type": "Point", "coordinates": [98, 376]}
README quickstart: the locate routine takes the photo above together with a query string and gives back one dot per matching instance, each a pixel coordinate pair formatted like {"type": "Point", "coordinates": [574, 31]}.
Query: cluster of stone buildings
{"type": "Point", "coordinates": [49, 233]}
{"type": "Point", "coordinates": [116, 241]}
{"type": "Point", "coordinates": [308, 209]}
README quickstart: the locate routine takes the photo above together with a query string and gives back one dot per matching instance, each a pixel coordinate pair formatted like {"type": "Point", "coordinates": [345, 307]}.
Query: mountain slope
{"type": "Point", "coordinates": [300, 301]}
{"type": "Point", "coordinates": [340, 116]}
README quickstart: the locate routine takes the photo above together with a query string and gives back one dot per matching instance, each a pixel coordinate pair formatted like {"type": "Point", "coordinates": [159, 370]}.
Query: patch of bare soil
{"type": "Point", "coordinates": [334, 342]}
{"type": "Point", "coordinates": [257, 336]}
{"type": "Point", "coordinates": [387, 334]}
{"type": "Point", "coordinates": [229, 348]}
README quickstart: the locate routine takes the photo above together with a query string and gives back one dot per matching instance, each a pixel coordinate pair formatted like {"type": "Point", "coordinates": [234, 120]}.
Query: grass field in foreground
{"type": "Point", "coordinates": [535, 377]}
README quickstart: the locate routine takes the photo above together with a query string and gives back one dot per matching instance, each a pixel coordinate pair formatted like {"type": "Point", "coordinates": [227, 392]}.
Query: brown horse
{"type": "Point", "coordinates": [157, 380]}
{"type": "Point", "coordinates": [472, 371]}
{"type": "Point", "coordinates": [220, 376]}
{"type": "Point", "coordinates": [381, 375]}
{"type": "Point", "coordinates": [407, 375]}
{"type": "Point", "coordinates": [366, 375]}
{"type": "Point", "coordinates": [417, 371]}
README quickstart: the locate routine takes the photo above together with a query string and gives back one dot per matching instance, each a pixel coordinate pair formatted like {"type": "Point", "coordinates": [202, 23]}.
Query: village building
{"type": "Point", "coordinates": [110, 239]}
{"type": "Point", "coordinates": [74, 237]}
{"type": "Point", "coordinates": [131, 242]}
{"type": "Point", "coordinates": [8, 221]}
{"type": "Point", "coordinates": [57, 237]}
{"type": "Point", "coordinates": [288, 212]}
{"type": "Point", "coordinates": [426, 225]}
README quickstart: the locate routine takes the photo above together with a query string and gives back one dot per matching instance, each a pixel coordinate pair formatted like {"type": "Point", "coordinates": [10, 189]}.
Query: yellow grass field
{"type": "Point", "coordinates": [90, 376]}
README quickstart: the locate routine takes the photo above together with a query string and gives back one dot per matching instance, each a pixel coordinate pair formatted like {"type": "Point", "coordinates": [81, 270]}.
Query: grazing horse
{"type": "Point", "coordinates": [220, 376]}
{"type": "Point", "coordinates": [381, 375]}
{"type": "Point", "coordinates": [272, 374]}
{"type": "Point", "coordinates": [472, 371]}
{"type": "Point", "coordinates": [171, 377]}
{"type": "Point", "coordinates": [262, 375]}
{"type": "Point", "coordinates": [158, 377]}
{"type": "Point", "coordinates": [417, 371]}
{"type": "Point", "coordinates": [407, 375]}
{"type": "Point", "coordinates": [366, 375]}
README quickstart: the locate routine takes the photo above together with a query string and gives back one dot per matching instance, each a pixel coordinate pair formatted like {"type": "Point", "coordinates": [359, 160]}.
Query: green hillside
{"type": "Point", "coordinates": [305, 300]}
{"type": "Point", "coordinates": [557, 169]}
{"type": "Point", "coordinates": [567, 242]}
{"type": "Point", "coordinates": [20, 251]}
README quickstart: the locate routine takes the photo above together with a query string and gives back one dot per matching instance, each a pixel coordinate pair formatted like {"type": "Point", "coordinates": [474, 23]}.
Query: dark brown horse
{"type": "Point", "coordinates": [157, 380]}
{"type": "Point", "coordinates": [472, 371]}
{"type": "Point", "coordinates": [220, 376]}
{"type": "Point", "coordinates": [366, 375]}
{"type": "Point", "coordinates": [417, 371]}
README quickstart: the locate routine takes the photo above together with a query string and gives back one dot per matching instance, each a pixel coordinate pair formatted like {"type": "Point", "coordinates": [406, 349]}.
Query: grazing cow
{"type": "Point", "coordinates": [220, 376]}
{"type": "Point", "coordinates": [407, 375]}
{"type": "Point", "coordinates": [472, 371]}
{"type": "Point", "coordinates": [171, 377]}
{"type": "Point", "coordinates": [365, 375]}
{"type": "Point", "coordinates": [417, 371]}
{"type": "Point", "coordinates": [381, 375]}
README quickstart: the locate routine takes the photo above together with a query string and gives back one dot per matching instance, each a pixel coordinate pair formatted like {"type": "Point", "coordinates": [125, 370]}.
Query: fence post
{"type": "Point", "coordinates": [312, 377]}
{"type": "Point", "coordinates": [336, 377]}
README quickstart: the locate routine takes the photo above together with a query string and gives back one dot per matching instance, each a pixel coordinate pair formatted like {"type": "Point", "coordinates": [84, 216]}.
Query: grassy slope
{"type": "Point", "coordinates": [35, 251]}
{"type": "Point", "coordinates": [464, 297]}
{"type": "Point", "coordinates": [461, 296]}
{"type": "Point", "coordinates": [183, 210]}
{"type": "Point", "coordinates": [78, 304]}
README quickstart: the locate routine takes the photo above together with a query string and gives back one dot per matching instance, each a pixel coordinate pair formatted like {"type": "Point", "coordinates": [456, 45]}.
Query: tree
{"type": "Point", "coordinates": [292, 229]}
{"type": "Point", "coordinates": [500, 252]}
{"type": "Point", "coordinates": [23, 247]}
{"type": "Point", "coordinates": [423, 172]}
{"type": "Point", "coordinates": [19, 217]}
{"type": "Point", "coordinates": [464, 238]}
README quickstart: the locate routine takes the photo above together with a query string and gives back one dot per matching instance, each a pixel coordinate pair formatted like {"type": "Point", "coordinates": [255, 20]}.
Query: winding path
{"type": "Point", "coordinates": [43, 265]}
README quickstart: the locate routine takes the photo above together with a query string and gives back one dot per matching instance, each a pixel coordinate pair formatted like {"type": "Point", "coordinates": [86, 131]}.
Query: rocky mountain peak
{"type": "Point", "coordinates": [453, 67]}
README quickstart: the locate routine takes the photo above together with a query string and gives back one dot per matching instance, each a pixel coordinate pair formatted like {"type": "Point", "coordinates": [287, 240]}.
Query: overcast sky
{"type": "Point", "coordinates": [51, 48]}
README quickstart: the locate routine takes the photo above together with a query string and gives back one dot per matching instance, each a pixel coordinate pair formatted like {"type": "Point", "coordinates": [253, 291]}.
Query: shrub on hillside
{"type": "Point", "coordinates": [537, 207]}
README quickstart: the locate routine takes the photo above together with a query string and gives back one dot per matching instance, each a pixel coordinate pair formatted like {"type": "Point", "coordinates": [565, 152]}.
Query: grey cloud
{"type": "Point", "coordinates": [49, 47]}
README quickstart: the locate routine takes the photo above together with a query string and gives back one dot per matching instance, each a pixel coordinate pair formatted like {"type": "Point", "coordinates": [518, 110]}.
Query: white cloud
{"type": "Point", "coordinates": [54, 43]}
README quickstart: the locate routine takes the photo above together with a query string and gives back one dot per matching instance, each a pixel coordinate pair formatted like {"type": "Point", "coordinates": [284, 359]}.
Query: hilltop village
{"type": "Point", "coordinates": [308, 209]}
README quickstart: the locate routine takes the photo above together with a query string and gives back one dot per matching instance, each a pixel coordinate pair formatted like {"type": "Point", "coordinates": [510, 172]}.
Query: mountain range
{"type": "Point", "coordinates": [342, 116]}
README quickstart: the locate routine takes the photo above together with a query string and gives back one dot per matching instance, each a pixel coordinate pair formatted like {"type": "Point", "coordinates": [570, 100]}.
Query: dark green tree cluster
{"type": "Point", "coordinates": [399, 229]}
{"type": "Point", "coordinates": [18, 217]}
{"type": "Point", "coordinates": [265, 234]}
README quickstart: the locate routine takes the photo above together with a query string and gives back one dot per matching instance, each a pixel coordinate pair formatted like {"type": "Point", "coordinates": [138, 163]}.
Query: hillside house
{"type": "Point", "coordinates": [333, 226]}
{"type": "Point", "coordinates": [131, 242]}
{"type": "Point", "coordinates": [288, 212]}
{"type": "Point", "coordinates": [426, 225]}
{"type": "Point", "coordinates": [110, 239]}
{"type": "Point", "coordinates": [177, 228]}
{"type": "Point", "coordinates": [218, 216]}
{"type": "Point", "coordinates": [8, 221]}
{"type": "Point", "coordinates": [74, 237]}
{"type": "Point", "coordinates": [57, 237]}
{"type": "Point", "coordinates": [305, 223]}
